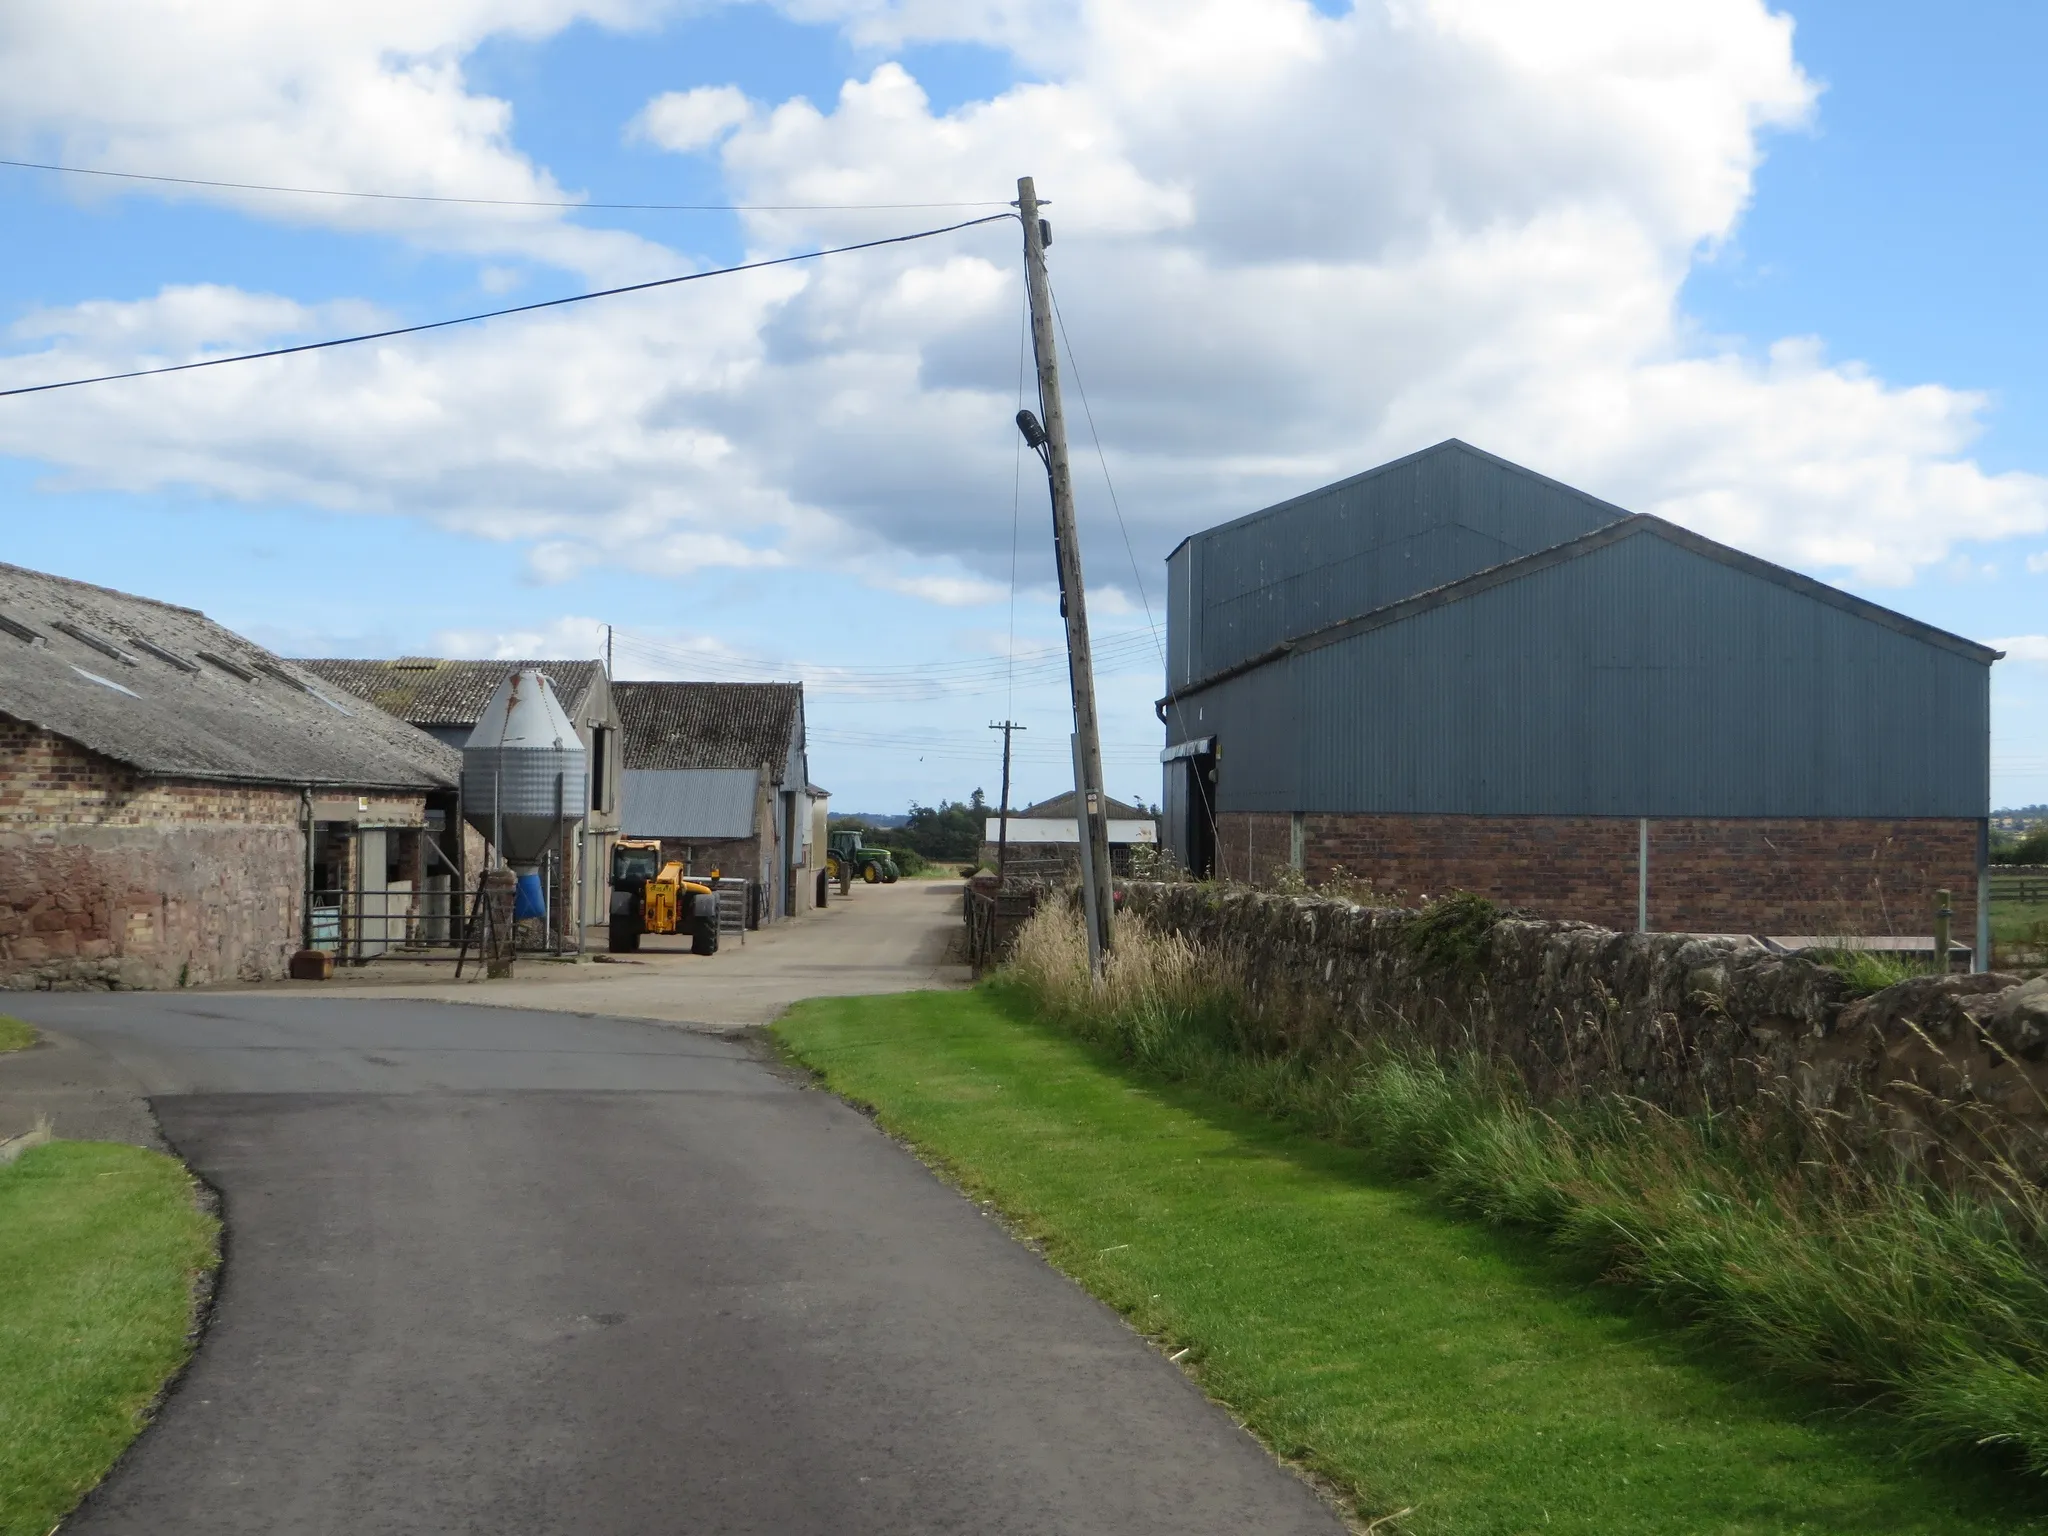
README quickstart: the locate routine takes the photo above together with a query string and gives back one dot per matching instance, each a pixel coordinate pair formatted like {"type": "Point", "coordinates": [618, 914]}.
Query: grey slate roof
{"type": "Point", "coordinates": [171, 693]}
{"type": "Point", "coordinates": [430, 691]}
{"type": "Point", "coordinates": [708, 725]}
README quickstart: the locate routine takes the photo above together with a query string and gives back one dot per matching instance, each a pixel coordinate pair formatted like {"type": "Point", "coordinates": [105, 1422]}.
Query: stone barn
{"type": "Point", "coordinates": [170, 794]}
{"type": "Point", "coordinates": [1452, 673]}
{"type": "Point", "coordinates": [720, 773]}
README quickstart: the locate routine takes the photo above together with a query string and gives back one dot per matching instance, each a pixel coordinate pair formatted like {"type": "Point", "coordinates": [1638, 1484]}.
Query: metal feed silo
{"type": "Point", "coordinates": [525, 775]}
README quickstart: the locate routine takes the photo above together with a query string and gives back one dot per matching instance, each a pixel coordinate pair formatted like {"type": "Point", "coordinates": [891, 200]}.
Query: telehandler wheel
{"type": "Point", "coordinates": [871, 873]}
{"type": "Point", "coordinates": [704, 937]}
{"type": "Point", "coordinates": [625, 938]}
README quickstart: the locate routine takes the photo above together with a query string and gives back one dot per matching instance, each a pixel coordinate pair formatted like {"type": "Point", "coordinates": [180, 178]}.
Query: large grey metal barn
{"type": "Point", "coordinates": [1452, 670]}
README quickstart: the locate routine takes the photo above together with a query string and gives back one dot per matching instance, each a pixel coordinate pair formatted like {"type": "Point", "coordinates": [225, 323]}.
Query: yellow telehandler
{"type": "Point", "coordinates": [649, 896]}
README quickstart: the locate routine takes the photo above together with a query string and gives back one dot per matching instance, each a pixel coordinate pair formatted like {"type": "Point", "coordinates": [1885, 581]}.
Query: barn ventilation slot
{"type": "Point", "coordinates": [97, 642]}
{"type": "Point", "coordinates": [20, 631]}
{"type": "Point", "coordinates": [169, 658]}
{"type": "Point", "coordinates": [232, 668]}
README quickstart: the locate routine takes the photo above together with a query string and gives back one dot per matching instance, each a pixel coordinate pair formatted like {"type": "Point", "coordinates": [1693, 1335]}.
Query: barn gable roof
{"type": "Point", "coordinates": [169, 692]}
{"type": "Point", "coordinates": [709, 725]}
{"type": "Point", "coordinates": [1588, 506]}
{"type": "Point", "coordinates": [429, 691]}
{"type": "Point", "coordinates": [1633, 526]}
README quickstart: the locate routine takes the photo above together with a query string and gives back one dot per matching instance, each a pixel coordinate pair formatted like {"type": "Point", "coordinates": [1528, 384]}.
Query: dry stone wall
{"type": "Point", "coordinates": [1939, 1066]}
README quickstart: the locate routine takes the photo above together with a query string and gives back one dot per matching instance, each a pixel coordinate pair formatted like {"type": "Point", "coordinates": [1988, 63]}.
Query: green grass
{"type": "Point", "coordinates": [99, 1247]}
{"type": "Point", "coordinates": [1413, 1358]}
{"type": "Point", "coordinates": [2019, 925]}
{"type": "Point", "coordinates": [15, 1035]}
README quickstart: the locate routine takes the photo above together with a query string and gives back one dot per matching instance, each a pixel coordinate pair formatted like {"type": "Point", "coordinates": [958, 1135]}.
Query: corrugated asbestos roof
{"type": "Point", "coordinates": [427, 690]}
{"type": "Point", "coordinates": [708, 725]}
{"type": "Point", "coordinates": [173, 694]}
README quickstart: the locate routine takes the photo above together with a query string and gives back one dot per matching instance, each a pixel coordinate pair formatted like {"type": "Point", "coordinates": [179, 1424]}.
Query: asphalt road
{"type": "Point", "coordinates": [503, 1271]}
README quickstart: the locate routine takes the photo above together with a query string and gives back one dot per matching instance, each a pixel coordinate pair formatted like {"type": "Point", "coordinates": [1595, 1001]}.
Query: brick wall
{"type": "Point", "coordinates": [1706, 876]}
{"type": "Point", "coordinates": [46, 781]}
{"type": "Point", "coordinates": [109, 878]}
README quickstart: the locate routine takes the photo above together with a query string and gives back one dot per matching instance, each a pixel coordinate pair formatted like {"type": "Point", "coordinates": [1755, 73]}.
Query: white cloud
{"type": "Point", "coordinates": [684, 121]}
{"type": "Point", "coordinates": [364, 96]}
{"type": "Point", "coordinates": [1287, 245]}
{"type": "Point", "coordinates": [2038, 564]}
{"type": "Point", "coordinates": [2023, 647]}
{"type": "Point", "coordinates": [565, 639]}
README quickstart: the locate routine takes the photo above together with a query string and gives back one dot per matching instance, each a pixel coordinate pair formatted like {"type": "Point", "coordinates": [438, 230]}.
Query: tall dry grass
{"type": "Point", "coordinates": [1821, 1268]}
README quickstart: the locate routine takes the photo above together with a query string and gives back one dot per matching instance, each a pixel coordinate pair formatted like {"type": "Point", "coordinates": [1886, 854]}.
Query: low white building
{"type": "Point", "coordinates": [1048, 833]}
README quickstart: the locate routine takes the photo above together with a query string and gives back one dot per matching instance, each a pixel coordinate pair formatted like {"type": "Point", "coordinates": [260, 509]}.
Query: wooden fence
{"type": "Point", "coordinates": [993, 918]}
{"type": "Point", "coordinates": [2019, 882]}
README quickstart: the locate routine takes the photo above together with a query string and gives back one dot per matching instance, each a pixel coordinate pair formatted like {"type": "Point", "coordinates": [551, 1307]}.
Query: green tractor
{"type": "Point", "coordinates": [847, 858]}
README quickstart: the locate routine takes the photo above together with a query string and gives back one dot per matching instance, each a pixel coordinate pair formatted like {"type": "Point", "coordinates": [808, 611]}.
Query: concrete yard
{"type": "Point", "coordinates": [877, 938]}
{"type": "Point", "coordinates": [521, 1268]}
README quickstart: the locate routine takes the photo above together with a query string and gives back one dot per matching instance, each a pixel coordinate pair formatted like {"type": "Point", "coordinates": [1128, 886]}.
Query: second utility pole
{"type": "Point", "coordinates": [1090, 808]}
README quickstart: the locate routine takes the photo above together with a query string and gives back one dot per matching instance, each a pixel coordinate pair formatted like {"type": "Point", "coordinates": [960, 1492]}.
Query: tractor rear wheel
{"type": "Point", "coordinates": [625, 937]}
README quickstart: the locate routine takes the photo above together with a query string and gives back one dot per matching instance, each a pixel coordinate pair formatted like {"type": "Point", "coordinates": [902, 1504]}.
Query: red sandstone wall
{"type": "Point", "coordinates": [107, 879]}
{"type": "Point", "coordinates": [1706, 876]}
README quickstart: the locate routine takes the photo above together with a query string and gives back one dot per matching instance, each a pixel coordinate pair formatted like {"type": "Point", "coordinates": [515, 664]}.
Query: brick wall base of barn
{"type": "Point", "coordinates": [1762, 876]}
{"type": "Point", "coordinates": [111, 880]}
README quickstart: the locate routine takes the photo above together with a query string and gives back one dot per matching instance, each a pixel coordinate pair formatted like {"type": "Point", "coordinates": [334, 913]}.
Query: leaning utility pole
{"type": "Point", "coordinates": [1002, 811]}
{"type": "Point", "coordinates": [1089, 803]}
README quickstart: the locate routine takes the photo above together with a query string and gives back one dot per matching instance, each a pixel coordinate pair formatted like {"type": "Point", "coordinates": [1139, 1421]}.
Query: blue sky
{"type": "Point", "coordinates": [828, 494]}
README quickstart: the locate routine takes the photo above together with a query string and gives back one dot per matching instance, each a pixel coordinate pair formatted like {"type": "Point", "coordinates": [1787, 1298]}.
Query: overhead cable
{"type": "Point", "coordinates": [493, 314]}
{"type": "Point", "coordinates": [495, 202]}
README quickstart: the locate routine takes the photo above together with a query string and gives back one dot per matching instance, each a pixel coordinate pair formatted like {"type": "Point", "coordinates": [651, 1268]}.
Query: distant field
{"type": "Point", "coordinates": [2019, 931]}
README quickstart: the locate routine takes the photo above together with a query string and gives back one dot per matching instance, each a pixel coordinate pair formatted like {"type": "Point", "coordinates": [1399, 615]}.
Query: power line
{"type": "Point", "coordinates": [926, 680]}
{"type": "Point", "coordinates": [493, 314]}
{"type": "Point", "coordinates": [494, 202]}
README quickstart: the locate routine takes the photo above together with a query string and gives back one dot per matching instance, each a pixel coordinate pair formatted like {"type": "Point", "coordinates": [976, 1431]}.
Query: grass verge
{"type": "Point", "coordinates": [1804, 1245]}
{"type": "Point", "coordinates": [100, 1245]}
{"type": "Point", "coordinates": [15, 1035]}
{"type": "Point", "coordinates": [1414, 1359]}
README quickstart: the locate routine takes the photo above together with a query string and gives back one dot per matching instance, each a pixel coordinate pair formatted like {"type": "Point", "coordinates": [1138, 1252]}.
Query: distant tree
{"type": "Point", "coordinates": [2031, 849]}
{"type": "Point", "coordinates": [950, 830]}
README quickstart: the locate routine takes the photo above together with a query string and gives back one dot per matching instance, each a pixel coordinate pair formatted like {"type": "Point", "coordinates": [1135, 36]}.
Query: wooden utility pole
{"type": "Point", "coordinates": [1003, 809]}
{"type": "Point", "coordinates": [1090, 805]}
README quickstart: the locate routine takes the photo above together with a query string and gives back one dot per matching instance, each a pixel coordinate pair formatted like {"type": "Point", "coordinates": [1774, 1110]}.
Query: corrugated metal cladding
{"type": "Point", "coordinates": [688, 802]}
{"type": "Point", "coordinates": [1641, 678]}
{"type": "Point", "coordinates": [1240, 589]}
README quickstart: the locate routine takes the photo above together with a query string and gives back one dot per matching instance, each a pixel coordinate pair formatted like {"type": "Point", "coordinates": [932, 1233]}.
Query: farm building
{"type": "Point", "coordinates": [176, 803]}
{"type": "Point", "coordinates": [446, 698]}
{"type": "Point", "coordinates": [1045, 838]}
{"type": "Point", "coordinates": [719, 772]}
{"type": "Point", "coordinates": [1452, 673]}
